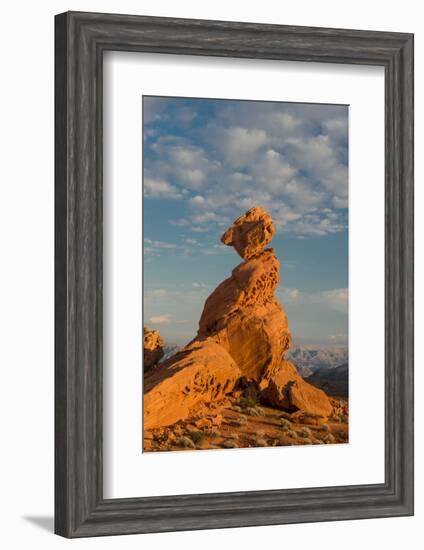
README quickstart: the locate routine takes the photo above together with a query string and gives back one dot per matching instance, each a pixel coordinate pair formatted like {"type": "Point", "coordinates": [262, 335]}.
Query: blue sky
{"type": "Point", "coordinates": [208, 161]}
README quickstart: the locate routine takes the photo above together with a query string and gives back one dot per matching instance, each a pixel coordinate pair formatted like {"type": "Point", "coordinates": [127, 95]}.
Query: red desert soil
{"type": "Point", "coordinates": [231, 386]}
{"type": "Point", "coordinates": [225, 424]}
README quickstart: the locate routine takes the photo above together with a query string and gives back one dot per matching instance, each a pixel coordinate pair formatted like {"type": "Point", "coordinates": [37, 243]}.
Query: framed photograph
{"type": "Point", "coordinates": [234, 274]}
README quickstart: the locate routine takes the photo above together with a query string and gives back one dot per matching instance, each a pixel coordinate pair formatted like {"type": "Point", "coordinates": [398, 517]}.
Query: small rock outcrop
{"type": "Point", "coordinates": [284, 388]}
{"type": "Point", "coordinates": [202, 372]}
{"type": "Point", "coordinates": [152, 349]}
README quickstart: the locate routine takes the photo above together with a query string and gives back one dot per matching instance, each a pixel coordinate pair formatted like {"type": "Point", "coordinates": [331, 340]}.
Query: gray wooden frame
{"type": "Point", "coordinates": [80, 40]}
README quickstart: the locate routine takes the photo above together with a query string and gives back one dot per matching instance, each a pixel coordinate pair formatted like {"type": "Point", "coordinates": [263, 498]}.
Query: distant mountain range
{"type": "Point", "coordinates": [309, 359]}
{"type": "Point", "coordinates": [170, 350]}
{"type": "Point", "coordinates": [334, 381]}
{"type": "Point", "coordinates": [326, 368]}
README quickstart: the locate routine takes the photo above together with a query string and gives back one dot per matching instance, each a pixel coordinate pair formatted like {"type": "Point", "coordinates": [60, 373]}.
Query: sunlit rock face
{"type": "Point", "coordinates": [250, 233]}
{"type": "Point", "coordinates": [152, 348]}
{"type": "Point", "coordinates": [243, 333]}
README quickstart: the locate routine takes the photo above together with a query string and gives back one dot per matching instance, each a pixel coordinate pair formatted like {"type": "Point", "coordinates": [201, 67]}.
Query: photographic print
{"type": "Point", "coordinates": [245, 274]}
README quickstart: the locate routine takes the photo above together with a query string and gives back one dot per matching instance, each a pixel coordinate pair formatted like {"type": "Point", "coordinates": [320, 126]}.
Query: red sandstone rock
{"type": "Point", "coordinates": [243, 315]}
{"type": "Point", "coordinates": [243, 331]}
{"type": "Point", "coordinates": [250, 233]}
{"type": "Point", "coordinates": [201, 372]}
{"type": "Point", "coordinates": [152, 349]}
{"type": "Point", "coordinates": [283, 387]}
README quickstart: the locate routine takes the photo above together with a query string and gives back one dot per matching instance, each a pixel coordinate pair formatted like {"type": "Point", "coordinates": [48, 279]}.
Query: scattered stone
{"type": "Point", "coordinates": [204, 423]}
{"type": "Point", "coordinates": [304, 432]}
{"type": "Point", "coordinates": [311, 419]}
{"type": "Point", "coordinates": [329, 438]}
{"type": "Point", "coordinates": [217, 420]}
{"type": "Point", "coordinates": [252, 411]}
{"type": "Point", "coordinates": [285, 424]}
{"type": "Point", "coordinates": [185, 442]}
{"type": "Point", "coordinates": [229, 444]}
{"type": "Point", "coordinates": [237, 422]}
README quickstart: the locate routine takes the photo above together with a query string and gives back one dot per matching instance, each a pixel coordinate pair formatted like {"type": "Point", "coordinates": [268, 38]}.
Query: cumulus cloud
{"type": "Point", "coordinates": [159, 244]}
{"type": "Point", "coordinates": [289, 158]}
{"type": "Point", "coordinates": [336, 299]}
{"type": "Point", "coordinates": [159, 188]}
{"type": "Point", "coordinates": [188, 164]}
{"type": "Point", "coordinates": [237, 144]}
{"type": "Point", "coordinates": [164, 319]}
{"type": "Point", "coordinates": [337, 339]}
{"type": "Point", "coordinates": [158, 292]}
{"type": "Point", "coordinates": [153, 107]}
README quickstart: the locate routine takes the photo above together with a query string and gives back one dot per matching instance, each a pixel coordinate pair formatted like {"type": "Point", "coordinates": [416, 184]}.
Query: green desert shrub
{"type": "Point", "coordinates": [246, 402]}
{"type": "Point", "coordinates": [197, 437]}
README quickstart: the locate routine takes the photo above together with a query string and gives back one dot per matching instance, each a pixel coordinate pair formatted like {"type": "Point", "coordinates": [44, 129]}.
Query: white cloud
{"type": "Point", "coordinates": [318, 158]}
{"type": "Point", "coordinates": [181, 222]}
{"type": "Point", "coordinates": [337, 128]}
{"type": "Point", "coordinates": [153, 108]}
{"type": "Point", "coordinates": [239, 144]}
{"type": "Point", "coordinates": [159, 244]}
{"type": "Point", "coordinates": [291, 160]}
{"type": "Point", "coordinates": [197, 200]}
{"type": "Point", "coordinates": [273, 171]}
{"type": "Point", "coordinates": [187, 164]}
{"type": "Point", "coordinates": [336, 299]}
{"type": "Point", "coordinates": [163, 319]}
{"type": "Point", "coordinates": [159, 188]}
{"type": "Point", "coordinates": [337, 339]}
{"type": "Point", "coordinates": [158, 292]}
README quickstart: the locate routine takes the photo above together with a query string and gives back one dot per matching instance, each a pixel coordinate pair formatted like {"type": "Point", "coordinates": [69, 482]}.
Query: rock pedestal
{"type": "Point", "coordinates": [243, 332]}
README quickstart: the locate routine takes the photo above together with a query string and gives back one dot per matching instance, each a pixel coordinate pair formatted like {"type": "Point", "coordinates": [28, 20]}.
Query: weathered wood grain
{"type": "Point", "coordinates": [81, 39]}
